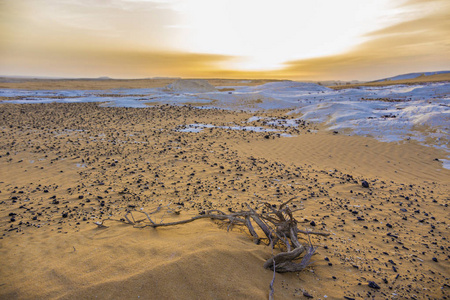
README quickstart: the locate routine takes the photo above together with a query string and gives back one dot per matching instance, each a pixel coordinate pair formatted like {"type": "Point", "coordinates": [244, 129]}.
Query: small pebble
{"type": "Point", "coordinates": [374, 285]}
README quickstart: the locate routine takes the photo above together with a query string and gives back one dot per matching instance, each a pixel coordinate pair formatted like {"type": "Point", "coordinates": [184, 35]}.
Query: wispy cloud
{"type": "Point", "coordinates": [115, 63]}
{"type": "Point", "coordinates": [418, 44]}
{"type": "Point", "coordinates": [84, 23]}
{"type": "Point", "coordinates": [137, 38]}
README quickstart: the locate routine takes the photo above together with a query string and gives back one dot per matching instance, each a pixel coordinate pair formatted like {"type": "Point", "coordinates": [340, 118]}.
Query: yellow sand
{"type": "Point", "coordinates": [53, 153]}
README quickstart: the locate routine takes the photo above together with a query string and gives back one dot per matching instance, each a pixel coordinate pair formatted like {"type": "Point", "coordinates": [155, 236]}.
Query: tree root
{"type": "Point", "coordinates": [277, 224]}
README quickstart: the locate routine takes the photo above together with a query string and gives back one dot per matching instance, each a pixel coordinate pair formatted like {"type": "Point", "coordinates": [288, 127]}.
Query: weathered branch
{"type": "Point", "coordinates": [278, 224]}
{"type": "Point", "coordinates": [294, 239]}
{"type": "Point", "coordinates": [252, 231]}
{"type": "Point", "coordinates": [272, 291]}
{"type": "Point", "coordinates": [287, 202]}
{"type": "Point", "coordinates": [289, 266]}
{"type": "Point", "coordinates": [283, 257]}
{"type": "Point", "coordinates": [278, 213]}
{"type": "Point", "coordinates": [219, 217]}
{"type": "Point", "coordinates": [260, 223]}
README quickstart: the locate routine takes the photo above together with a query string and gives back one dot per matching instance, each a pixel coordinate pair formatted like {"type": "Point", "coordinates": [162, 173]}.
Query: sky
{"type": "Point", "coordinates": [280, 39]}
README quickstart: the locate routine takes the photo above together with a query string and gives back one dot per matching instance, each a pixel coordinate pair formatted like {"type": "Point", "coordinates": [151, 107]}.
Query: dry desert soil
{"type": "Point", "coordinates": [65, 167]}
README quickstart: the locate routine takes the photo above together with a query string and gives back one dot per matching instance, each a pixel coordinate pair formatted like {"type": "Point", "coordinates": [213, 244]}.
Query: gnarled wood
{"type": "Point", "coordinates": [279, 226]}
{"type": "Point", "coordinates": [252, 231]}
{"type": "Point", "coordinates": [283, 257]}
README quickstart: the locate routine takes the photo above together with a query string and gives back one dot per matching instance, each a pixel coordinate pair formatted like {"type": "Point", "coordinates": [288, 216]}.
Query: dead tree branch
{"type": "Point", "coordinates": [277, 224]}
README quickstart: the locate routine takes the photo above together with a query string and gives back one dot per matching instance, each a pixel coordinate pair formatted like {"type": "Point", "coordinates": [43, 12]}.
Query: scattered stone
{"type": "Point", "coordinates": [373, 285]}
{"type": "Point", "coordinates": [307, 295]}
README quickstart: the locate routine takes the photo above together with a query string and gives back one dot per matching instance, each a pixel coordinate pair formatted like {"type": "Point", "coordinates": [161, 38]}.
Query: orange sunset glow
{"type": "Point", "coordinates": [286, 39]}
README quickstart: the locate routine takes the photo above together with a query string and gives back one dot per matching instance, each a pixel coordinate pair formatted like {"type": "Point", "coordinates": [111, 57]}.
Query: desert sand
{"type": "Point", "coordinates": [64, 167]}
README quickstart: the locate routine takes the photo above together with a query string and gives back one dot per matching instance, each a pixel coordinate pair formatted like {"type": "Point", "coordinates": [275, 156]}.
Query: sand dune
{"type": "Point", "coordinates": [362, 156]}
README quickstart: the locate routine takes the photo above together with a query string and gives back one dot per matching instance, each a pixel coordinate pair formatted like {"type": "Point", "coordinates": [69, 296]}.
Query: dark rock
{"type": "Point", "coordinates": [435, 259]}
{"type": "Point", "coordinates": [365, 184]}
{"type": "Point", "coordinates": [374, 285]}
{"type": "Point", "coordinates": [65, 215]}
{"type": "Point", "coordinates": [312, 223]}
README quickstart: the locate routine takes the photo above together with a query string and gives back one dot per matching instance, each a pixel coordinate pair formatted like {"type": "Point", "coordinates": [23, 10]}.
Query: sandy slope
{"type": "Point", "coordinates": [65, 166]}
{"type": "Point", "coordinates": [407, 162]}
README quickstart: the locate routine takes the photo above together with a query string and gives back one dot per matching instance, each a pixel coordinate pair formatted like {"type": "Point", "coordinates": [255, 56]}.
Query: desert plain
{"type": "Point", "coordinates": [67, 167]}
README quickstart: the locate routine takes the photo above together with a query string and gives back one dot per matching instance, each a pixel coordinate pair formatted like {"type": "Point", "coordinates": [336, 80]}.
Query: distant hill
{"type": "Point", "coordinates": [336, 82]}
{"type": "Point", "coordinates": [411, 76]}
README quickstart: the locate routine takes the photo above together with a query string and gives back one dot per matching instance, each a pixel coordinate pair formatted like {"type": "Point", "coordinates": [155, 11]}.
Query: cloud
{"type": "Point", "coordinates": [76, 37]}
{"type": "Point", "coordinates": [134, 38]}
{"type": "Point", "coordinates": [419, 44]}
{"type": "Point", "coordinates": [118, 63]}
{"type": "Point", "coordinates": [84, 23]}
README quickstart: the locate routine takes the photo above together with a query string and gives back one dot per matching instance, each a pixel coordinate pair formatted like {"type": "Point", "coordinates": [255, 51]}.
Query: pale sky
{"type": "Point", "coordinates": [291, 39]}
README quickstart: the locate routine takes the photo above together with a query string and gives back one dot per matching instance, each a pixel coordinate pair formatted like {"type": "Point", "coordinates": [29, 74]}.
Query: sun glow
{"type": "Point", "coordinates": [264, 34]}
{"type": "Point", "coordinates": [288, 39]}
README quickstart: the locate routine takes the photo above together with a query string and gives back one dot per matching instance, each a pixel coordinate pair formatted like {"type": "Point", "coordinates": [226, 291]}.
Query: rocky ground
{"type": "Point", "coordinates": [65, 167]}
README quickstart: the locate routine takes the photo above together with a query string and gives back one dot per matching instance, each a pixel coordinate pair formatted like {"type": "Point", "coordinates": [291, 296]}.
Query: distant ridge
{"type": "Point", "coordinates": [411, 76]}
